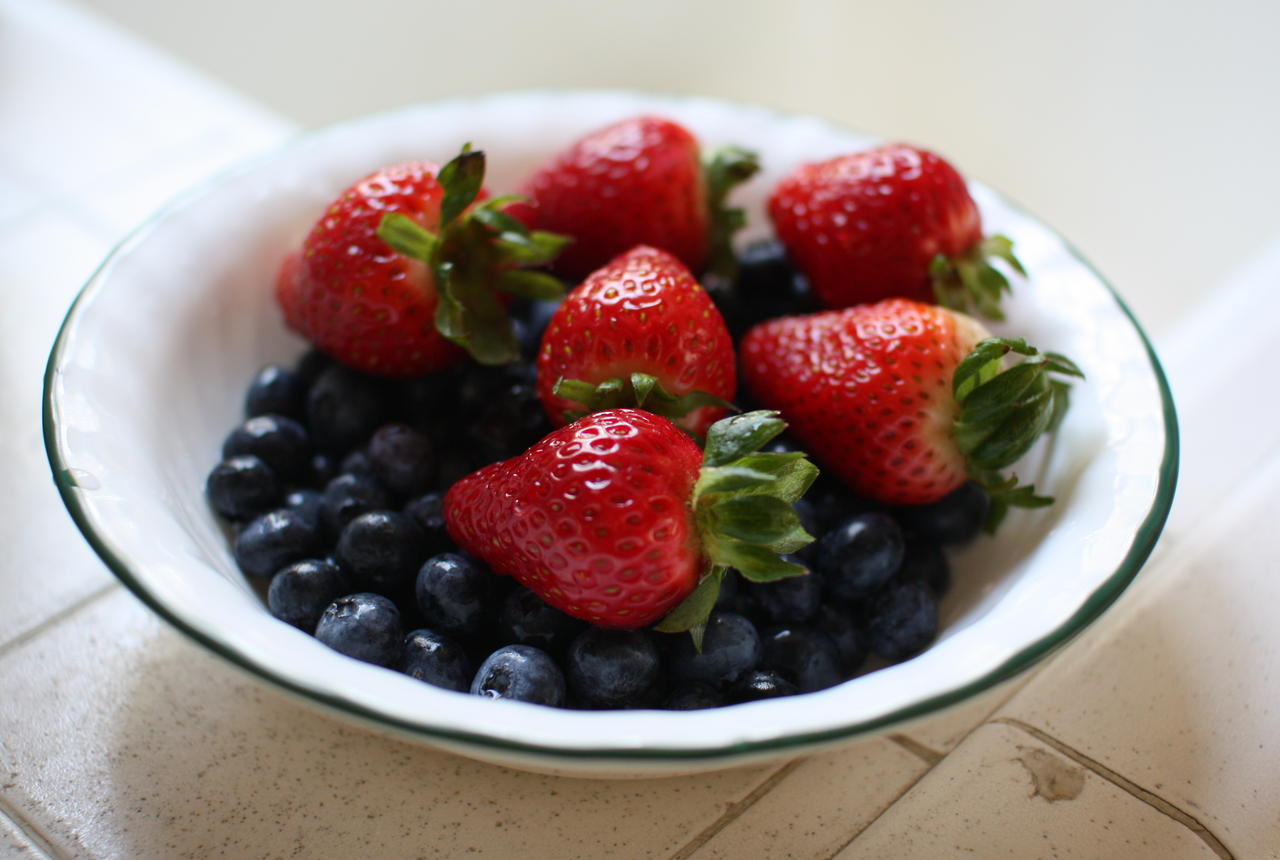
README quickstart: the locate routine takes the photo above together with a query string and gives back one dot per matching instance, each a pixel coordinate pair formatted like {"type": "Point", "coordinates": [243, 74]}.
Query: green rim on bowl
{"type": "Point", "coordinates": [1144, 540]}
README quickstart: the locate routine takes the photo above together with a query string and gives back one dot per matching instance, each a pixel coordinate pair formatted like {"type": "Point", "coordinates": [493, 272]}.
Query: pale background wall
{"type": "Point", "coordinates": [1144, 131]}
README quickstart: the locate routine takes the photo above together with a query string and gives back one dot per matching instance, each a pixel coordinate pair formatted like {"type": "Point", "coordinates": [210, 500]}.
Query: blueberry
{"type": "Point", "coordinates": [357, 463]}
{"type": "Point", "coordinates": [534, 317]}
{"type": "Point", "coordinates": [520, 672]}
{"type": "Point", "coordinates": [380, 550]}
{"type": "Point", "coordinates": [761, 684]}
{"type": "Point", "coordinates": [809, 658]}
{"type": "Point", "coordinates": [609, 668]}
{"type": "Point", "coordinates": [455, 464]}
{"type": "Point", "coordinates": [768, 286]}
{"type": "Point", "coordinates": [343, 408]}
{"type": "Point", "coordinates": [846, 632]}
{"type": "Point", "coordinates": [927, 563]}
{"type": "Point", "coordinates": [859, 555]}
{"type": "Point", "coordinates": [311, 365]}
{"type": "Point", "coordinates": [730, 648]}
{"type": "Point", "coordinates": [323, 470]}
{"type": "Point", "coordinates": [273, 540]}
{"type": "Point", "coordinates": [693, 696]}
{"type": "Point", "coordinates": [834, 503]}
{"type": "Point", "coordinates": [402, 458]}
{"type": "Point", "coordinates": [425, 400]}
{"type": "Point", "coordinates": [903, 620]}
{"type": "Point", "coordinates": [280, 442]}
{"type": "Point", "coordinates": [527, 619]}
{"type": "Point", "coordinates": [276, 390]}
{"type": "Point", "coordinates": [364, 626]}
{"type": "Point", "coordinates": [513, 421]}
{"type": "Point", "coordinates": [454, 592]}
{"type": "Point", "coordinates": [308, 504]}
{"type": "Point", "coordinates": [436, 659]}
{"type": "Point", "coordinates": [300, 592]}
{"type": "Point", "coordinates": [733, 594]}
{"type": "Point", "coordinates": [241, 487]}
{"type": "Point", "coordinates": [347, 497]}
{"type": "Point", "coordinates": [955, 518]}
{"type": "Point", "coordinates": [428, 512]}
{"type": "Point", "coordinates": [793, 600]}
{"type": "Point", "coordinates": [807, 513]}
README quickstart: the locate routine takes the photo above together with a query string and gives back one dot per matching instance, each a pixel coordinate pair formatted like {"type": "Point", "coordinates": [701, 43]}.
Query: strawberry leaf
{"type": "Point", "coordinates": [640, 390]}
{"type": "Point", "coordinates": [969, 283]}
{"type": "Point", "coordinates": [529, 284]}
{"type": "Point", "coordinates": [461, 180]}
{"type": "Point", "coordinates": [756, 563]}
{"type": "Point", "coordinates": [691, 613]}
{"type": "Point", "coordinates": [727, 168]}
{"type": "Point", "coordinates": [408, 237]}
{"type": "Point", "coordinates": [740, 435]}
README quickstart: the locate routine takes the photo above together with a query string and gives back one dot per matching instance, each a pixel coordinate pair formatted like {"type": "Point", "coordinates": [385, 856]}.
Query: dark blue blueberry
{"type": "Point", "coordinates": [455, 463]}
{"type": "Point", "coordinates": [276, 391]}
{"type": "Point", "coordinates": [403, 459]}
{"type": "Point", "coordinates": [768, 286]}
{"type": "Point", "coordinates": [693, 696]}
{"type": "Point", "coordinates": [364, 626]}
{"type": "Point", "coordinates": [308, 504]}
{"type": "Point", "coordinates": [859, 555]}
{"type": "Point", "coordinates": [436, 659]}
{"type": "Point", "coordinates": [425, 400]}
{"type": "Point", "coordinates": [809, 520]}
{"type": "Point", "coordinates": [300, 592]}
{"type": "Point", "coordinates": [428, 512]}
{"type": "Point", "coordinates": [513, 421]}
{"type": "Point", "coordinates": [733, 594]}
{"type": "Point", "coordinates": [833, 504]}
{"type": "Point", "coordinates": [527, 619]}
{"type": "Point", "coordinates": [793, 600]}
{"type": "Point", "coordinates": [609, 668]}
{"type": "Point", "coordinates": [311, 365]}
{"type": "Point", "coordinates": [323, 470]}
{"type": "Point", "coordinates": [242, 487]}
{"type": "Point", "coordinates": [455, 593]}
{"type": "Point", "coordinates": [927, 563]}
{"type": "Point", "coordinates": [761, 684]}
{"type": "Point", "coordinates": [343, 408]}
{"type": "Point", "coordinates": [280, 442]}
{"type": "Point", "coordinates": [955, 518]}
{"type": "Point", "coordinates": [730, 648]}
{"type": "Point", "coordinates": [357, 462]}
{"type": "Point", "coordinates": [903, 620]}
{"type": "Point", "coordinates": [809, 658]}
{"type": "Point", "coordinates": [380, 550]}
{"type": "Point", "coordinates": [273, 540]}
{"type": "Point", "coordinates": [533, 317]}
{"type": "Point", "coordinates": [347, 497]}
{"type": "Point", "coordinates": [523, 673]}
{"type": "Point", "coordinates": [844, 629]}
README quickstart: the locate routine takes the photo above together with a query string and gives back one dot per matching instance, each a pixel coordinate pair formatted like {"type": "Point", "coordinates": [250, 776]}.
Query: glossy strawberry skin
{"type": "Point", "coordinates": [594, 518]}
{"type": "Point", "coordinates": [867, 392]}
{"type": "Point", "coordinates": [642, 312]}
{"type": "Point", "coordinates": [636, 182]}
{"type": "Point", "coordinates": [352, 296]}
{"type": "Point", "coordinates": [867, 226]}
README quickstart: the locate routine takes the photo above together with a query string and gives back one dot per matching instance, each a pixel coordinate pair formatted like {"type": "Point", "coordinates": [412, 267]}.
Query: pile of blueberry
{"type": "Point", "coordinates": [333, 486]}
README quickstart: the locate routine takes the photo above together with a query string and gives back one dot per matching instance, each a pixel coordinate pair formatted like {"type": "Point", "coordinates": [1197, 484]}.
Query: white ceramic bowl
{"type": "Point", "coordinates": [148, 372]}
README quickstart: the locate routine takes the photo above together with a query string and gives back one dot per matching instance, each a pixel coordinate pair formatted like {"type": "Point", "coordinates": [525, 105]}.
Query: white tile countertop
{"type": "Point", "coordinates": [1152, 736]}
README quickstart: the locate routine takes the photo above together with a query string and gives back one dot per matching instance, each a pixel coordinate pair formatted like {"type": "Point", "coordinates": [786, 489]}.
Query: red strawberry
{"type": "Point", "coordinates": [891, 221]}
{"type": "Point", "coordinates": [904, 401]}
{"type": "Point", "coordinates": [638, 182]}
{"type": "Point", "coordinates": [619, 518]}
{"type": "Point", "coordinates": [638, 332]}
{"type": "Point", "coordinates": [366, 285]}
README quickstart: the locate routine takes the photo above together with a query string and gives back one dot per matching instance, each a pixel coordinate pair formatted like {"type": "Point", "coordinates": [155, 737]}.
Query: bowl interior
{"type": "Point", "coordinates": [149, 372]}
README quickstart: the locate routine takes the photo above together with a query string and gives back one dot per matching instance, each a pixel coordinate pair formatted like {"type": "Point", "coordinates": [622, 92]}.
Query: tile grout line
{"type": "Point", "coordinates": [57, 618]}
{"type": "Point", "coordinates": [1146, 796]}
{"type": "Point", "coordinates": [10, 814]}
{"type": "Point", "coordinates": [927, 754]}
{"type": "Point", "coordinates": [736, 809]}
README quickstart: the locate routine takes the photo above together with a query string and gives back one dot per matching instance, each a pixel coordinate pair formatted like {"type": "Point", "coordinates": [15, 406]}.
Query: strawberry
{"type": "Point", "coordinates": [639, 181]}
{"type": "Point", "coordinates": [621, 520]}
{"type": "Point", "coordinates": [402, 270]}
{"type": "Point", "coordinates": [638, 332]}
{"type": "Point", "coordinates": [904, 401]}
{"type": "Point", "coordinates": [891, 221]}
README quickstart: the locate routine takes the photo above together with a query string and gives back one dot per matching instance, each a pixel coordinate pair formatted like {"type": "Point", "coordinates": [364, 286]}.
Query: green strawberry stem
{"type": "Point", "coordinates": [1003, 411]}
{"type": "Point", "coordinates": [640, 390]}
{"type": "Point", "coordinates": [742, 505]}
{"type": "Point", "coordinates": [477, 255]}
{"type": "Point", "coordinates": [727, 168]}
{"type": "Point", "coordinates": [969, 283]}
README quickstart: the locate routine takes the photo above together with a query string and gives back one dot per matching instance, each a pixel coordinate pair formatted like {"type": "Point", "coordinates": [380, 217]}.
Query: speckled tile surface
{"type": "Point", "coordinates": [15, 844]}
{"type": "Point", "coordinates": [819, 804]}
{"type": "Point", "coordinates": [1004, 794]}
{"type": "Point", "coordinates": [124, 740]}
